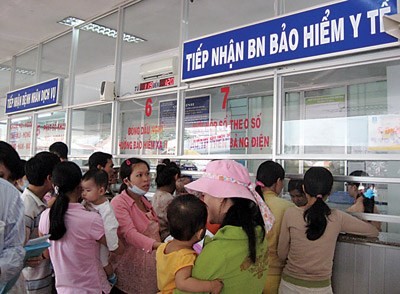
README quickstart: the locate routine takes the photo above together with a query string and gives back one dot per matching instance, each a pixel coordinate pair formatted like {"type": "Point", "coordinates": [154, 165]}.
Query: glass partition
{"type": "Point", "coordinates": [50, 128]}
{"type": "Point", "coordinates": [154, 30]}
{"type": "Point", "coordinates": [235, 119]}
{"type": "Point", "coordinates": [5, 78]}
{"type": "Point", "coordinates": [91, 130]}
{"type": "Point", "coordinates": [148, 126]}
{"type": "Point", "coordinates": [21, 135]}
{"type": "Point", "coordinates": [343, 111]}
{"type": "Point", "coordinates": [25, 72]}
{"type": "Point", "coordinates": [96, 57]}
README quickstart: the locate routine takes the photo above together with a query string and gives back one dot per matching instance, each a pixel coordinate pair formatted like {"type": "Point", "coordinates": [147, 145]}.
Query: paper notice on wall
{"type": "Point", "coordinates": [325, 106]}
{"type": "Point", "coordinates": [384, 132]}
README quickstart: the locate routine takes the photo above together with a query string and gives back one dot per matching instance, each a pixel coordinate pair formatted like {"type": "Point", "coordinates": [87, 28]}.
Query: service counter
{"type": "Point", "coordinates": [367, 265]}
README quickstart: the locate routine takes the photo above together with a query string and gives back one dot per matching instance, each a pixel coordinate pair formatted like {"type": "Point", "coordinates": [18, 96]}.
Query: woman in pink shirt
{"type": "Point", "coordinates": [138, 229]}
{"type": "Point", "coordinates": [76, 235]}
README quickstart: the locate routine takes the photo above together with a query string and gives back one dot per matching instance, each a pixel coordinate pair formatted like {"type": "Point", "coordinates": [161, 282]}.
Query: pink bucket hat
{"type": "Point", "coordinates": [230, 179]}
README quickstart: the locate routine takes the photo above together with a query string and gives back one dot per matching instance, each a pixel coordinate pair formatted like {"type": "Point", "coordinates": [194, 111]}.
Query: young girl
{"type": "Point", "coordinates": [308, 237]}
{"type": "Point", "coordinates": [94, 187]}
{"type": "Point", "coordinates": [187, 217]}
{"type": "Point", "coordinates": [167, 174]}
{"type": "Point", "coordinates": [76, 235]}
{"type": "Point", "coordinates": [138, 230]}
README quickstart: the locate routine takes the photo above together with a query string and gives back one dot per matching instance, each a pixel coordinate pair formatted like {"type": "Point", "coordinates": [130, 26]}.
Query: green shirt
{"type": "Point", "coordinates": [225, 257]}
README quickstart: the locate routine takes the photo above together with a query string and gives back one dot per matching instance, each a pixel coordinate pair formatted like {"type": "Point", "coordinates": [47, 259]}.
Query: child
{"type": "Point", "coordinates": [187, 216]}
{"type": "Point", "coordinates": [94, 187]}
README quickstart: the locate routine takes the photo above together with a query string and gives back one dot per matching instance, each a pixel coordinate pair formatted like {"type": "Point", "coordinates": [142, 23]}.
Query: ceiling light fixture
{"type": "Point", "coordinates": [18, 70]}
{"type": "Point", "coordinates": [99, 29]}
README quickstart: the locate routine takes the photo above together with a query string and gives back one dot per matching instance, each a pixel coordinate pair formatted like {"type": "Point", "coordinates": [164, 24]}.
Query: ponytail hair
{"type": "Point", "coordinates": [166, 173]}
{"type": "Point", "coordinates": [126, 168]}
{"type": "Point", "coordinates": [268, 173]}
{"type": "Point", "coordinates": [246, 214]}
{"type": "Point", "coordinates": [318, 183]}
{"type": "Point", "coordinates": [66, 177]}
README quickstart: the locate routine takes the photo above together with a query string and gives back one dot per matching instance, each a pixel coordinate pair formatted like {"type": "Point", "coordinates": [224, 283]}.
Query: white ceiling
{"type": "Point", "coordinates": [24, 23]}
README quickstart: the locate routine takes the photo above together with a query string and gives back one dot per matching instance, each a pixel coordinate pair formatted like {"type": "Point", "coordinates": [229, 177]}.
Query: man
{"type": "Point", "coordinates": [12, 233]}
{"type": "Point", "coordinates": [103, 161]}
{"type": "Point", "coordinates": [60, 149]}
{"type": "Point", "coordinates": [38, 278]}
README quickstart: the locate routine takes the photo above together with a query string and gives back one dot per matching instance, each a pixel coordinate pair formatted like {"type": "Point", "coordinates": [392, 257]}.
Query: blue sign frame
{"type": "Point", "coordinates": [34, 97]}
{"type": "Point", "coordinates": [338, 28]}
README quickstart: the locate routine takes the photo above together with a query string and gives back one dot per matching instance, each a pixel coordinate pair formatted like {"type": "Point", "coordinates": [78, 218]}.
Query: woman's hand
{"type": "Point", "coordinates": [156, 244]}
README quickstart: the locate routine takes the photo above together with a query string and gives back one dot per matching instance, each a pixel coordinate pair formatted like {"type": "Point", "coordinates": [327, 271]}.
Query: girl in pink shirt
{"type": "Point", "coordinates": [76, 235]}
{"type": "Point", "coordinates": [138, 230]}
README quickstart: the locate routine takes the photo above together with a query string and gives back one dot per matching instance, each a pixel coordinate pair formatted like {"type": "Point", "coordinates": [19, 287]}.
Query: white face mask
{"type": "Point", "coordinates": [24, 185]}
{"type": "Point", "coordinates": [137, 190]}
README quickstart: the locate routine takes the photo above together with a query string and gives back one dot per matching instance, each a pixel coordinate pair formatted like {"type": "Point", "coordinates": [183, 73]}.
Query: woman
{"type": "Point", "coordinates": [76, 235]}
{"type": "Point", "coordinates": [237, 254]}
{"type": "Point", "coordinates": [308, 237]}
{"type": "Point", "coordinates": [363, 201]}
{"type": "Point", "coordinates": [138, 230]}
{"type": "Point", "coordinates": [167, 175]}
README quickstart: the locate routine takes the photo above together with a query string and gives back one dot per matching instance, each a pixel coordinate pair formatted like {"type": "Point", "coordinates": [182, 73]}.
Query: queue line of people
{"type": "Point", "coordinates": [256, 248]}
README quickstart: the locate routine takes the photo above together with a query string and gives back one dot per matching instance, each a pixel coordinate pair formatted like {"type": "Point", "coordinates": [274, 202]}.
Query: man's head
{"type": "Point", "coordinates": [101, 160]}
{"type": "Point", "coordinates": [11, 168]}
{"type": "Point", "coordinates": [60, 149]}
{"type": "Point", "coordinates": [39, 168]}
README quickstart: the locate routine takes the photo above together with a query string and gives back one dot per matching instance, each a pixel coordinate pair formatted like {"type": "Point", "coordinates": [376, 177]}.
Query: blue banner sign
{"type": "Point", "coordinates": [37, 96]}
{"type": "Point", "coordinates": [334, 29]}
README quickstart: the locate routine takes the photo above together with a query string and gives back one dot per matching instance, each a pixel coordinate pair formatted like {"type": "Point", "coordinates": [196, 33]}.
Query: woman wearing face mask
{"type": "Point", "coordinates": [138, 230]}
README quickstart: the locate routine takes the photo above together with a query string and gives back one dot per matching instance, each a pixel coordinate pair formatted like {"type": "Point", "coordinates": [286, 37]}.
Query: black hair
{"type": "Point", "coordinates": [368, 203]}
{"type": "Point", "coordinates": [11, 160]}
{"type": "Point", "coordinates": [268, 173]}
{"type": "Point", "coordinates": [99, 158]}
{"type": "Point", "coordinates": [186, 215]}
{"type": "Point", "coordinates": [166, 173]}
{"type": "Point", "coordinates": [60, 149]}
{"type": "Point", "coordinates": [39, 167]}
{"type": "Point", "coordinates": [66, 178]}
{"type": "Point", "coordinates": [318, 183]}
{"type": "Point", "coordinates": [22, 163]}
{"type": "Point", "coordinates": [296, 185]}
{"type": "Point", "coordinates": [126, 168]}
{"type": "Point", "coordinates": [99, 176]}
{"type": "Point", "coordinates": [246, 214]}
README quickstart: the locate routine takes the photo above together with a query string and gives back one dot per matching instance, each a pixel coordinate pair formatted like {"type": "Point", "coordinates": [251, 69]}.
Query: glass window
{"type": "Point", "coordinates": [5, 78]}
{"type": "Point", "coordinates": [91, 130]}
{"type": "Point", "coordinates": [157, 27]}
{"type": "Point", "coordinates": [96, 56]}
{"type": "Point", "coordinates": [342, 111]}
{"type": "Point", "coordinates": [219, 18]}
{"type": "Point", "coordinates": [236, 120]}
{"type": "Point", "coordinates": [148, 126]}
{"type": "Point", "coordinates": [55, 62]}
{"type": "Point", "coordinates": [25, 72]}
{"type": "Point", "coordinates": [21, 135]}
{"type": "Point", "coordinates": [50, 128]}
{"type": "Point", "coordinates": [3, 130]}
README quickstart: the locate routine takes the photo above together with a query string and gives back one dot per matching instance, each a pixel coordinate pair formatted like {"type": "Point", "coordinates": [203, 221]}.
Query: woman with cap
{"type": "Point", "coordinates": [308, 237]}
{"type": "Point", "coordinates": [237, 254]}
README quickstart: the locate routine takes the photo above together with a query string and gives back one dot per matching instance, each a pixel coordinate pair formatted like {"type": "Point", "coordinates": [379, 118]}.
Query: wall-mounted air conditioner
{"type": "Point", "coordinates": [107, 91]}
{"type": "Point", "coordinates": [160, 68]}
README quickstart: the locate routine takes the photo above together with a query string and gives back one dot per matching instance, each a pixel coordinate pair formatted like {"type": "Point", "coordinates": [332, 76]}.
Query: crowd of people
{"type": "Point", "coordinates": [221, 233]}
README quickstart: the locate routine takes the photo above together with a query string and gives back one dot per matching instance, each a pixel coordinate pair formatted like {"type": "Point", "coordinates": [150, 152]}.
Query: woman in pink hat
{"type": "Point", "coordinates": [237, 254]}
